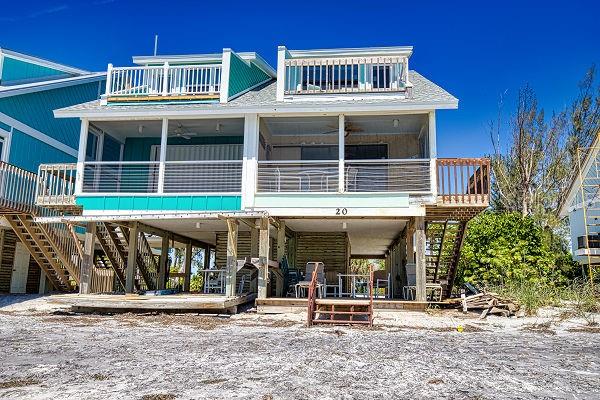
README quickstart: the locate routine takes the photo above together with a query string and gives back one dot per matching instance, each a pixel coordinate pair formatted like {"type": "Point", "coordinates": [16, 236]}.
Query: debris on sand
{"type": "Point", "coordinates": [490, 303]}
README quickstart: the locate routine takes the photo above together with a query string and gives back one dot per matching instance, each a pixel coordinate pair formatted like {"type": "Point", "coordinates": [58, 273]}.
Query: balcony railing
{"type": "Point", "coordinates": [463, 181]}
{"type": "Point", "coordinates": [163, 81]}
{"type": "Point", "coordinates": [297, 176]}
{"type": "Point", "coordinates": [17, 189]}
{"type": "Point", "coordinates": [180, 177]}
{"type": "Point", "coordinates": [56, 185]}
{"type": "Point", "coordinates": [407, 176]}
{"type": "Point", "coordinates": [345, 75]}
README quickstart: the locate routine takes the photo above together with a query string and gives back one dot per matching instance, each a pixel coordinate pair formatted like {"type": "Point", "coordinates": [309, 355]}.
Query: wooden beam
{"type": "Point", "coordinates": [163, 264]}
{"type": "Point", "coordinates": [232, 242]}
{"type": "Point", "coordinates": [263, 256]}
{"type": "Point", "coordinates": [421, 273]}
{"type": "Point", "coordinates": [279, 289]}
{"type": "Point", "coordinates": [368, 257]}
{"type": "Point", "coordinates": [131, 257]}
{"type": "Point", "coordinates": [172, 235]}
{"type": "Point", "coordinates": [87, 263]}
{"type": "Point", "coordinates": [188, 267]}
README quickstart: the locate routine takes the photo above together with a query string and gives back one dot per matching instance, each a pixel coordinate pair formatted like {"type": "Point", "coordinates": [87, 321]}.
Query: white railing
{"type": "Point", "coordinates": [17, 189]}
{"type": "Point", "coordinates": [297, 176]}
{"type": "Point", "coordinates": [407, 176]}
{"type": "Point", "coordinates": [56, 185]}
{"type": "Point", "coordinates": [346, 75]}
{"type": "Point", "coordinates": [134, 177]}
{"type": "Point", "coordinates": [181, 80]}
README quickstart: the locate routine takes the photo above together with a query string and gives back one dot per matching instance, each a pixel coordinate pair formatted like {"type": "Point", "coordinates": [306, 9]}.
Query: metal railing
{"type": "Point", "coordinates": [17, 189]}
{"type": "Point", "coordinates": [56, 185]}
{"type": "Point", "coordinates": [346, 75]}
{"type": "Point", "coordinates": [222, 176]}
{"type": "Point", "coordinates": [463, 180]}
{"type": "Point", "coordinates": [203, 176]}
{"type": "Point", "coordinates": [297, 176]}
{"type": "Point", "coordinates": [407, 176]}
{"type": "Point", "coordinates": [165, 80]}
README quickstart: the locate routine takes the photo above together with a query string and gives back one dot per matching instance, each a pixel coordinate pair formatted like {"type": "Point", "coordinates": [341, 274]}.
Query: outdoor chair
{"type": "Point", "coordinates": [332, 284]}
{"type": "Point", "coordinates": [319, 269]}
{"type": "Point", "coordinates": [382, 280]}
{"type": "Point", "coordinates": [294, 276]}
{"type": "Point", "coordinates": [213, 282]}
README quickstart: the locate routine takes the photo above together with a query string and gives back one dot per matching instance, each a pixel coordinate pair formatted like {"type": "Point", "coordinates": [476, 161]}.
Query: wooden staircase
{"type": "Point", "coordinates": [444, 241]}
{"type": "Point", "coordinates": [51, 247]}
{"type": "Point", "coordinates": [339, 311]}
{"type": "Point", "coordinates": [114, 249]}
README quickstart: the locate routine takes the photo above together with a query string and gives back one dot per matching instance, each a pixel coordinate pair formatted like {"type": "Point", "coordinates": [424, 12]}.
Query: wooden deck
{"type": "Point", "coordinates": [278, 305]}
{"type": "Point", "coordinates": [177, 303]}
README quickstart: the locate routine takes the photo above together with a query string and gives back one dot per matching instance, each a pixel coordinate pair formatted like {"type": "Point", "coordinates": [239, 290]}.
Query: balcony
{"type": "Point", "coordinates": [167, 82]}
{"type": "Point", "coordinates": [17, 189]}
{"type": "Point", "coordinates": [342, 71]}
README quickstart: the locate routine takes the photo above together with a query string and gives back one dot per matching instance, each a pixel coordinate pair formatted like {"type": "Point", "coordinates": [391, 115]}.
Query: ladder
{"type": "Point", "coordinates": [339, 311]}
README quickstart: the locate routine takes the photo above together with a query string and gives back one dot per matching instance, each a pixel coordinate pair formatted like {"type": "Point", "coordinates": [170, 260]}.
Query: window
{"type": "Point", "coordinates": [4, 145]}
{"type": "Point", "coordinates": [329, 77]}
{"type": "Point", "coordinates": [319, 152]}
{"type": "Point", "coordinates": [381, 77]}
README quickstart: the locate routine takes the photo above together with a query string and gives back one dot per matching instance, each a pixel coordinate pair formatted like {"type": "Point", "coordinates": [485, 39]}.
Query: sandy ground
{"type": "Point", "coordinates": [248, 356]}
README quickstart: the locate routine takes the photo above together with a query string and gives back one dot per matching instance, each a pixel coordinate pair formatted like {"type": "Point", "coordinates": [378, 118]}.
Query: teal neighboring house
{"type": "Point", "coordinates": [30, 89]}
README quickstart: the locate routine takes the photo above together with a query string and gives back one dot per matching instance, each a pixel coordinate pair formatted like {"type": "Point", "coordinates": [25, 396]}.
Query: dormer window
{"type": "Point", "coordinates": [343, 71]}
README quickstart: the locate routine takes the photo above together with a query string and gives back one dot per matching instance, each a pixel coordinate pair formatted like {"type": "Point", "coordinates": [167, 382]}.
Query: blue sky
{"type": "Point", "coordinates": [475, 50]}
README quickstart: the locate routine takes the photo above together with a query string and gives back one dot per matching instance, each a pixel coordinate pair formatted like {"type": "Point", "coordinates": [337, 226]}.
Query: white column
{"type": "Point", "coordinates": [83, 136]}
{"type": "Point", "coordinates": [108, 84]}
{"type": "Point", "coordinates": [263, 259]}
{"type": "Point", "coordinates": [250, 160]}
{"type": "Point", "coordinates": [341, 134]}
{"type": "Point", "coordinates": [163, 155]}
{"type": "Point", "coordinates": [225, 75]}
{"type": "Point", "coordinates": [433, 153]}
{"type": "Point", "coordinates": [281, 52]}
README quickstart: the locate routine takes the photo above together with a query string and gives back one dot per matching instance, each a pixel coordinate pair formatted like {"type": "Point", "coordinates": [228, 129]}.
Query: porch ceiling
{"type": "Point", "coordinates": [367, 236]}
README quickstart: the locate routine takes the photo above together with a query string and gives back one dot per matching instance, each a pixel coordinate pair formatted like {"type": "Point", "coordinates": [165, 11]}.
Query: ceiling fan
{"type": "Point", "coordinates": [181, 132]}
{"type": "Point", "coordinates": [348, 129]}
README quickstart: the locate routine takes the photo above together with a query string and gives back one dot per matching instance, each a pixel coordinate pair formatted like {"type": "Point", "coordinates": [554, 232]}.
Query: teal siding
{"type": "Point", "coordinates": [17, 70]}
{"type": "Point", "coordinates": [243, 76]}
{"type": "Point", "coordinates": [138, 149]}
{"type": "Point", "coordinates": [160, 203]}
{"type": "Point", "coordinates": [28, 153]}
{"type": "Point", "coordinates": [36, 110]}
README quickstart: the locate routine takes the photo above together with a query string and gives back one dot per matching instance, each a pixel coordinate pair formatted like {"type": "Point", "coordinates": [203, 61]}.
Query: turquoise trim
{"type": "Point", "coordinates": [160, 203]}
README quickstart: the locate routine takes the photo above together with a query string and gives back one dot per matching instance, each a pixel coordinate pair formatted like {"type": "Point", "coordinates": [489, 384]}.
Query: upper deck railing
{"type": "Point", "coordinates": [463, 181]}
{"type": "Point", "coordinates": [17, 189]}
{"type": "Point", "coordinates": [164, 81]}
{"type": "Point", "coordinates": [346, 75]}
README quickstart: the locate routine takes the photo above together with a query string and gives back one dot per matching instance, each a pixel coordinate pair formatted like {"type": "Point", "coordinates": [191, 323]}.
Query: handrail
{"type": "Point", "coordinates": [463, 180]}
{"type": "Point", "coordinates": [56, 185]}
{"type": "Point", "coordinates": [17, 189]}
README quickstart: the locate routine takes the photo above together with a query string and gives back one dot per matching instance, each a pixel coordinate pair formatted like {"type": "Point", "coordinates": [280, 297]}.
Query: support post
{"type": "Point", "coordinates": [187, 269]}
{"type": "Point", "coordinates": [254, 254]}
{"type": "Point", "coordinates": [163, 155]}
{"type": "Point", "coordinates": [263, 258]}
{"type": "Point", "coordinates": [421, 273]}
{"type": "Point", "coordinates": [164, 263]}
{"type": "Point", "coordinates": [250, 159]}
{"type": "Point", "coordinates": [85, 276]}
{"type": "Point", "coordinates": [231, 273]}
{"type": "Point", "coordinates": [280, 254]}
{"type": "Point", "coordinates": [207, 257]}
{"type": "Point", "coordinates": [83, 136]}
{"type": "Point", "coordinates": [341, 153]}
{"type": "Point", "coordinates": [131, 257]}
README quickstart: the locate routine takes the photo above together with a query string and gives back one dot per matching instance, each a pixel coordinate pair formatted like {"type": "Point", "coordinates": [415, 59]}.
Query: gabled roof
{"type": "Point", "coordinates": [426, 96]}
{"type": "Point", "coordinates": [575, 187]}
{"type": "Point", "coordinates": [43, 62]}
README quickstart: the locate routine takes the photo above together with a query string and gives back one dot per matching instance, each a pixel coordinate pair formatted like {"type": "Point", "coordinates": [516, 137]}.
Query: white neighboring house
{"type": "Point", "coordinates": [584, 216]}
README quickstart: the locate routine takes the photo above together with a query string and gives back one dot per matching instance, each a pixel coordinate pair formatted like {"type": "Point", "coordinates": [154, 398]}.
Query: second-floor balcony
{"type": "Point", "coordinates": [163, 81]}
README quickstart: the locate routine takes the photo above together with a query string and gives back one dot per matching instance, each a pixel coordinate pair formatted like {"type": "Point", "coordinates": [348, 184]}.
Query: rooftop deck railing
{"type": "Point", "coordinates": [163, 81]}
{"type": "Point", "coordinates": [346, 75]}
